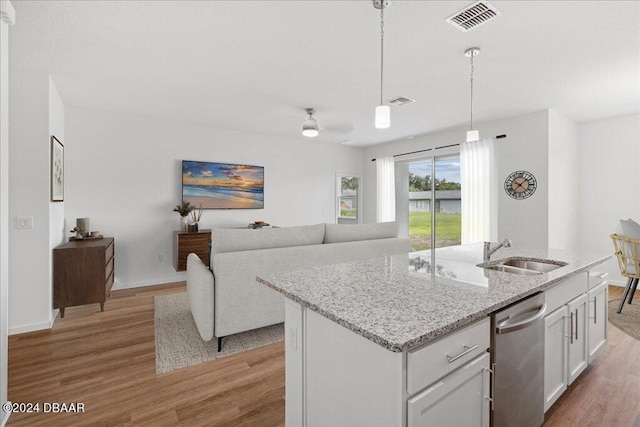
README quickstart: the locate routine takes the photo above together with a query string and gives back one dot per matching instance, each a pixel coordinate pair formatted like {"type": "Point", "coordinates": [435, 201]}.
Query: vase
{"type": "Point", "coordinates": [184, 221]}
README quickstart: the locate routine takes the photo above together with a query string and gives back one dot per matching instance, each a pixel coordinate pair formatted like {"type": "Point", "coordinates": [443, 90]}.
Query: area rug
{"type": "Point", "coordinates": [179, 345]}
{"type": "Point", "coordinates": [629, 320]}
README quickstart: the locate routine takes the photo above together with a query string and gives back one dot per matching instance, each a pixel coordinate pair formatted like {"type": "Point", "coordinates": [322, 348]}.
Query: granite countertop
{"type": "Point", "coordinates": [394, 302]}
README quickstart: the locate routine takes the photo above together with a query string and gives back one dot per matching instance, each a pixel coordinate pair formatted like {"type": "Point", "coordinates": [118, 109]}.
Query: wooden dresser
{"type": "Point", "coordinates": [185, 243]}
{"type": "Point", "coordinates": [83, 272]}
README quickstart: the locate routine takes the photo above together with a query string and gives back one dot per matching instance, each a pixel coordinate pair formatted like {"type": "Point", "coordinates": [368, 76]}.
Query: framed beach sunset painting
{"type": "Point", "coordinates": [222, 185]}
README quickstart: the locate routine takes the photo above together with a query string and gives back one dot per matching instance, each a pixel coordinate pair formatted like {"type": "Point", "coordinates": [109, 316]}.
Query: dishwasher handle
{"type": "Point", "coordinates": [506, 326]}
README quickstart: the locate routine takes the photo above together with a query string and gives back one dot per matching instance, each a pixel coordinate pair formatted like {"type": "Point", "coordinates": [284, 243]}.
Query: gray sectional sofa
{"type": "Point", "coordinates": [228, 300]}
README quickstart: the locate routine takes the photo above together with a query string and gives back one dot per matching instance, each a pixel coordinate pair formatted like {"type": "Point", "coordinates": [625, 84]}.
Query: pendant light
{"type": "Point", "coordinates": [310, 125]}
{"type": "Point", "coordinates": [472, 134]}
{"type": "Point", "coordinates": [383, 112]}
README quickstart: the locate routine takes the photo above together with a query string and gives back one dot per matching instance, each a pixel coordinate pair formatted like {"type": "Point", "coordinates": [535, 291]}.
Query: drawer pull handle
{"type": "Point", "coordinates": [600, 276]}
{"type": "Point", "coordinates": [464, 353]}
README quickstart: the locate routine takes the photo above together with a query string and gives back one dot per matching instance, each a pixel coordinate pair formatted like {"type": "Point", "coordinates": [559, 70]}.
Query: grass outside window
{"type": "Point", "coordinates": [448, 229]}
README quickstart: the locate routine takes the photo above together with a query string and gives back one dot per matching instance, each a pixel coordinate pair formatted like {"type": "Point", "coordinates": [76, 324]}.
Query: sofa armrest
{"type": "Point", "coordinates": [200, 295]}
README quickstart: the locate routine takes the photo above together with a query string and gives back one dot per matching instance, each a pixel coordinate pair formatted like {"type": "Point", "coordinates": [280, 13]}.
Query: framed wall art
{"type": "Point", "coordinates": [57, 170]}
{"type": "Point", "coordinates": [222, 185]}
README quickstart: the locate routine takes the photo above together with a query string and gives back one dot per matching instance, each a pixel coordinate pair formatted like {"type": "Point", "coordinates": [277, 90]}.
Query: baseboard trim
{"type": "Point", "coordinates": [120, 286]}
{"type": "Point", "coordinates": [35, 326]}
{"type": "Point", "coordinates": [618, 283]}
{"type": "Point", "coordinates": [5, 418]}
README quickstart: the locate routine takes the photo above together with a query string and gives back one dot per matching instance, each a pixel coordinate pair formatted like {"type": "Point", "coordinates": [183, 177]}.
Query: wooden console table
{"type": "Point", "coordinates": [83, 272]}
{"type": "Point", "coordinates": [185, 242]}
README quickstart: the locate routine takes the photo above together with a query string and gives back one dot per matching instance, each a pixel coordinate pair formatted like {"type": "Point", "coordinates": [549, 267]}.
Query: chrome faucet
{"type": "Point", "coordinates": [488, 250]}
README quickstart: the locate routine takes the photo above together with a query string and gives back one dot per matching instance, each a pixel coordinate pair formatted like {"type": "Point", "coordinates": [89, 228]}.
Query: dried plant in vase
{"type": "Point", "coordinates": [196, 214]}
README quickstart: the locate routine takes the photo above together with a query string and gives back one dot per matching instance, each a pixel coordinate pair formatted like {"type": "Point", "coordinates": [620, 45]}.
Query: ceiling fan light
{"type": "Point", "coordinates": [310, 125]}
{"type": "Point", "coordinates": [310, 132]}
{"type": "Point", "coordinates": [473, 135]}
{"type": "Point", "coordinates": [383, 116]}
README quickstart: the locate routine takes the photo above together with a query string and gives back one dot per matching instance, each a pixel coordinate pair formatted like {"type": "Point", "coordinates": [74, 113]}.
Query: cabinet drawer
{"type": "Point", "coordinates": [108, 269]}
{"type": "Point", "coordinates": [596, 278]}
{"type": "Point", "coordinates": [565, 291]}
{"type": "Point", "coordinates": [109, 252]}
{"type": "Point", "coordinates": [458, 400]}
{"type": "Point", "coordinates": [427, 364]}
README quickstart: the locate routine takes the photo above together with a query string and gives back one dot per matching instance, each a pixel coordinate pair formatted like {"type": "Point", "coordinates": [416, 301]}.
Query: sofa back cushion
{"type": "Point", "coordinates": [338, 233]}
{"type": "Point", "coordinates": [234, 240]}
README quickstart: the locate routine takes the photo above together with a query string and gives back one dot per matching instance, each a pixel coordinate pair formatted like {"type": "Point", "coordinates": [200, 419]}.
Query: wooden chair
{"type": "Point", "coordinates": [627, 251]}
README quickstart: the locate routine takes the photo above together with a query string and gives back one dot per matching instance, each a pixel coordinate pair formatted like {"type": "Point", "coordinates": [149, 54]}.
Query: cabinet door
{"type": "Point", "coordinates": [459, 399]}
{"type": "Point", "coordinates": [578, 348]}
{"type": "Point", "coordinates": [555, 356]}
{"type": "Point", "coordinates": [597, 322]}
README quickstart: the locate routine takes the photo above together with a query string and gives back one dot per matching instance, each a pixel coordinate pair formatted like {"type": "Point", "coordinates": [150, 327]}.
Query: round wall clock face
{"type": "Point", "coordinates": [520, 185]}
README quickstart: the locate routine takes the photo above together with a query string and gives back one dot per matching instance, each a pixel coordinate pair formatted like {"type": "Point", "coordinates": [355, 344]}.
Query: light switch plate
{"type": "Point", "coordinates": [24, 222]}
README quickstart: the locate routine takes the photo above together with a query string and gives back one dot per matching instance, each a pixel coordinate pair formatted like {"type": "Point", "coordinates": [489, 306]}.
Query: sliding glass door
{"type": "Point", "coordinates": [435, 214]}
{"type": "Point", "coordinates": [435, 217]}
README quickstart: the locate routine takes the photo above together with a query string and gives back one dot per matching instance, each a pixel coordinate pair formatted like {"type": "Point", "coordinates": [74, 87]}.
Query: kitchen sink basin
{"type": "Point", "coordinates": [523, 266]}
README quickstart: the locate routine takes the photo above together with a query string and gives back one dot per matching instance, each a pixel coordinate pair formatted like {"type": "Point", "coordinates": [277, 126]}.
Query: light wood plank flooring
{"type": "Point", "coordinates": [107, 361]}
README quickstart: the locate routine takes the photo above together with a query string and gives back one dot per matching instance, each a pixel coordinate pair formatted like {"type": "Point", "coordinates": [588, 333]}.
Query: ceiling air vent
{"type": "Point", "coordinates": [400, 100]}
{"type": "Point", "coordinates": [473, 16]}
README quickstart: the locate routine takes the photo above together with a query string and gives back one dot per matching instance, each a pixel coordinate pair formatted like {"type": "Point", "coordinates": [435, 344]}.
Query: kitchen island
{"type": "Point", "coordinates": [364, 339]}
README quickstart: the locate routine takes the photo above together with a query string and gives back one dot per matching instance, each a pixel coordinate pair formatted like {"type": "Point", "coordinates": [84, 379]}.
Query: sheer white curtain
{"type": "Point", "coordinates": [386, 189]}
{"type": "Point", "coordinates": [478, 176]}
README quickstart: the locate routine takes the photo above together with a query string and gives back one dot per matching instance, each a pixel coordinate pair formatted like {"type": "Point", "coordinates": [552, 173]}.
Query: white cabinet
{"type": "Point", "coordinates": [337, 378]}
{"type": "Point", "coordinates": [574, 333]}
{"type": "Point", "coordinates": [555, 356]}
{"type": "Point", "coordinates": [460, 399]}
{"type": "Point", "coordinates": [597, 322]}
{"type": "Point", "coordinates": [578, 345]}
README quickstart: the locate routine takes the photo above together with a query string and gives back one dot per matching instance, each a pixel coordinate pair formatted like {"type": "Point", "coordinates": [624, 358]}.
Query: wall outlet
{"type": "Point", "coordinates": [24, 222]}
{"type": "Point", "coordinates": [161, 257]}
{"type": "Point", "coordinates": [292, 338]}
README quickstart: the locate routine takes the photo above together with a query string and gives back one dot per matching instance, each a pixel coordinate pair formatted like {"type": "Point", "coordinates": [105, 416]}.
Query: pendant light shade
{"type": "Point", "coordinates": [310, 125]}
{"type": "Point", "coordinates": [383, 116]}
{"type": "Point", "coordinates": [383, 112]}
{"type": "Point", "coordinates": [472, 134]}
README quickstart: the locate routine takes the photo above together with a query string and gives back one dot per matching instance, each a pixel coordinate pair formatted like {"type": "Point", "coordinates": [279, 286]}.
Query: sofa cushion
{"type": "Point", "coordinates": [234, 240]}
{"type": "Point", "coordinates": [338, 233]}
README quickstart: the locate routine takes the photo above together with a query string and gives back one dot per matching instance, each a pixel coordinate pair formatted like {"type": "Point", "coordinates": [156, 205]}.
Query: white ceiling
{"type": "Point", "coordinates": [255, 65]}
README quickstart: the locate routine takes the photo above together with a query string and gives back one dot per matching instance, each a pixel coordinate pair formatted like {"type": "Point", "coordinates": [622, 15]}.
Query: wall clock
{"type": "Point", "coordinates": [520, 185]}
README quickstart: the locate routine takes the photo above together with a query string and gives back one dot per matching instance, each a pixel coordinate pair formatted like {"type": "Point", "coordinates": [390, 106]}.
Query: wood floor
{"type": "Point", "coordinates": [107, 361]}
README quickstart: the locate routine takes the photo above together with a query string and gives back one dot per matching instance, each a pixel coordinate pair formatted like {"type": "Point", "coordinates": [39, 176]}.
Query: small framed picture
{"type": "Point", "coordinates": [57, 170]}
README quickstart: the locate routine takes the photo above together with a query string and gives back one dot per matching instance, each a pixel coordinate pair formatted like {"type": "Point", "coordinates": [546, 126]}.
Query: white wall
{"type": "Point", "coordinates": [525, 222]}
{"type": "Point", "coordinates": [5, 10]}
{"type": "Point", "coordinates": [563, 182]}
{"type": "Point", "coordinates": [609, 153]}
{"type": "Point", "coordinates": [57, 230]}
{"type": "Point", "coordinates": [124, 173]}
{"type": "Point", "coordinates": [35, 111]}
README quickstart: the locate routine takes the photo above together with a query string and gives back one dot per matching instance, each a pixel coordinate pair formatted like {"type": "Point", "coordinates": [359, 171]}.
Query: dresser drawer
{"type": "Point", "coordinates": [109, 252]}
{"type": "Point", "coordinates": [108, 285]}
{"type": "Point", "coordinates": [427, 364]}
{"type": "Point", "coordinates": [109, 269]}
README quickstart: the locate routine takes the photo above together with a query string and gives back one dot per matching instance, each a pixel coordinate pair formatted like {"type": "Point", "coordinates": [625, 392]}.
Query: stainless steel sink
{"type": "Point", "coordinates": [539, 266]}
{"type": "Point", "coordinates": [513, 270]}
{"type": "Point", "coordinates": [523, 266]}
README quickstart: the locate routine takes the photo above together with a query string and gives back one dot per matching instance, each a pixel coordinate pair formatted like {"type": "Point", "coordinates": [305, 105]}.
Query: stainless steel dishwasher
{"type": "Point", "coordinates": [517, 357]}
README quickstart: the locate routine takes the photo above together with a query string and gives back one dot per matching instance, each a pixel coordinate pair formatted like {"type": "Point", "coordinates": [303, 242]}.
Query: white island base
{"type": "Point", "coordinates": [335, 377]}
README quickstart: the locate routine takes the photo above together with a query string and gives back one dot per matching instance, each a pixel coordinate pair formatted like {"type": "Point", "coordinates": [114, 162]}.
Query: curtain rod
{"type": "Point", "coordinates": [436, 148]}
